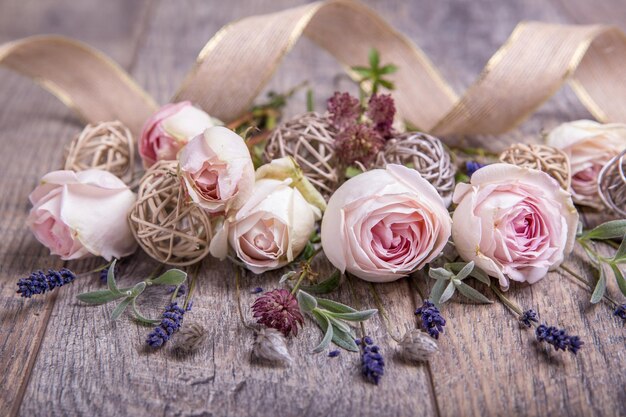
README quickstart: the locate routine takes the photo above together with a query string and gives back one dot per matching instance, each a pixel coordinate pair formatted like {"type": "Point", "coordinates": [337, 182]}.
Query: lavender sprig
{"type": "Point", "coordinates": [432, 320]}
{"type": "Point", "coordinates": [559, 338]}
{"type": "Point", "coordinates": [620, 311]}
{"type": "Point", "coordinates": [38, 282]}
{"type": "Point", "coordinates": [172, 320]}
{"type": "Point", "coordinates": [372, 361]}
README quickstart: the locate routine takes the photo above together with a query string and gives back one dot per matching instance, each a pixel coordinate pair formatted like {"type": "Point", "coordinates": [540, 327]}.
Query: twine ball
{"type": "Point", "coordinates": [165, 223]}
{"type": "Point", "coordinates": [612, 184]}
{"type": "Point", "coordinates": [108, 146]}
{"type": "Point", "coordinates": [552, 161]}
{"type": "Point", "coordinates": [427, 155]}
{"type": "Point", "coordinates": [309, 139]}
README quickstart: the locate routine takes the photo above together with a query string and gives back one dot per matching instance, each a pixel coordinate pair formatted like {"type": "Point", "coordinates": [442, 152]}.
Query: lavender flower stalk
{"type": "Point", "coordinates": [172, 320]}
{"type": "Point", "coordinates": [39, 283]}
{"type": "Point", "coordinates": [432, 320]}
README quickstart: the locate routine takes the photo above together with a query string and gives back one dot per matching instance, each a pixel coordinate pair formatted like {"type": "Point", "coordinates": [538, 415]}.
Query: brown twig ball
{"type": "Point", "coordinates": [165, 223]}
{"type": "Point", "coordinates": [612, 184]}
{"type": "Point", "coordinates": [427, 155]}
{"type": "Point", "coordinates": [108, 146]}
{"type": "Point", "coordinates": [552, 161]}
{"type": "Point", "coordinates": [309, 139]}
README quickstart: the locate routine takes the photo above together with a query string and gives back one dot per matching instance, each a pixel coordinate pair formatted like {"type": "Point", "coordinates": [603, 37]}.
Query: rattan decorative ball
{"type": "Point", "coordinates": [612, 184]}
{"type": "Point", "coordinates": [108, 146]}
{"type": "Point", "coordinates": [309, 139]}
{"type": "Point", "coordinates": [166, 224]}
{"type": "Point", "coordinates": [427, 155]}
{"type": "Point", "coordinates": [552, 161]}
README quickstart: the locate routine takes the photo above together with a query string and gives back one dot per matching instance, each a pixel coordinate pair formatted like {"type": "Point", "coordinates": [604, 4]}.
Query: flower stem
{"type": "Point", "coordinates": [192, 285]}
{"type": "Point", "coordinates": [306, 267]}
{"type": "Point", "coordinates": [507, 302]}
{"type": "Point", "coordinates": [586, 284]}
{"type": "Point", "coordinates": [238, 294]}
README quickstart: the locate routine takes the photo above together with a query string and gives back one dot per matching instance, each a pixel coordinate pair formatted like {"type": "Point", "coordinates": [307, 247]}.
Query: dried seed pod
{"type": "Point", "coordinates": [191, 337]}
{"type": "Point", "coordinates": [108, 146]}
{"type": "Point", "coordinates": [612, 184]}
{"type": "Point", "coordinates": [271, 345]}
{"type": "Point", "coordinates": [548, 159]}
{"type": "Point", "coordinates": [427, 155]}
{"type": "Point", "coordinates": [417, 345]}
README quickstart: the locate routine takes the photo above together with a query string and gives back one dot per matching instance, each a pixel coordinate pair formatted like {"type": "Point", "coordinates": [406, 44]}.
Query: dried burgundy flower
{"type": "Point", "coordinates": [381, 110]}
{"type": "Point", "coordinates": [278, 309]}
{"type": "Point", "coordinates": [358, 143]}
{"type": "Point", "coordinates": [344, 110]}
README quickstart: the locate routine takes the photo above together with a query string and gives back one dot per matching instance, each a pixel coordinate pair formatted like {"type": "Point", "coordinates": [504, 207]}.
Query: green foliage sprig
{"type": "Point", "coordinates": [450, 278]}
{"type": "Point", "coordinates": [374, 74]}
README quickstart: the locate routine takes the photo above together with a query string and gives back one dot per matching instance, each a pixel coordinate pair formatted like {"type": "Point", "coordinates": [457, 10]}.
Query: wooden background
{"type": "Point", "coordinates": [58, 357]}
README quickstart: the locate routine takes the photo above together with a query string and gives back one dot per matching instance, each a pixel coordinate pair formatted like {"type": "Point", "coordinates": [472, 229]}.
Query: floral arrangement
{"type": "Point", "coordinates": [355, 184]}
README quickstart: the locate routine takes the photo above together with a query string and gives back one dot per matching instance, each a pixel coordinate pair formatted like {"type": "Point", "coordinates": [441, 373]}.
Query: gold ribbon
{"type": "Point", "coordinates": [234, 66]}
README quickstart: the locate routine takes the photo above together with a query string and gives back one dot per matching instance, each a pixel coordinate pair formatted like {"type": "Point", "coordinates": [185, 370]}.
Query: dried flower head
{"type": "Point", "coordinates": [417, 345]}
{"type": "Point", "coordinates": [38, 282]}
{"type": "Point", "coordinates": [432, 320]}
{"type": "Point", "coordinates": [529, 317]}
{"type": "Point", "coordinates": [344, 110]}
{"type": "Point", "coordinates": [558, 338]}
{"type": "Point", "coordinates": [358, 143]}
{"type": "Point", "coordinates": [278, 309]}
{"type": "Point", "coordinates": [620, 311]}
{"type": "Point", "coordinates": [172, 320]}
{"type": "Point", "coordinates": [372, 362]}
{"type": "Point", "coordinates": [271, 345]}
{"type": "Point", "coordinates": [472, 166]}
{"type": "Point", "coordinates": [191, 338]}
{"type": "Point", "coordinates": [381, 110]}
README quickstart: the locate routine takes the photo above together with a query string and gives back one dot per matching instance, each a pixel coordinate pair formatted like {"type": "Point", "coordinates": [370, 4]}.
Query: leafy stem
{"type": "Point", "coordinates": [306, 269]}
{"type": "Point", "coordinates": [586, 284]}
{"type": "Point", "coordinates": [374, 74]}
{"type": "Point", "coordinates": [506, 301]}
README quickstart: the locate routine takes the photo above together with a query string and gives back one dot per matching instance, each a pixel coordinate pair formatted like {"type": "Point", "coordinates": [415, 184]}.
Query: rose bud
{"type": "Point", "coordinates": [77, 214]}
{"type": "Point", "coordinates": [514, 223]}
{"type": "Point", "coordinates": [270, 230]}
{"type": "Point", "coordinates": [384, 224]}
{"type": "Point", "coordinates": [169, 129]}
{"type": "Point", "coordinates": [217, 170]}
{"type": "Point", "coordinates": [589, 146]}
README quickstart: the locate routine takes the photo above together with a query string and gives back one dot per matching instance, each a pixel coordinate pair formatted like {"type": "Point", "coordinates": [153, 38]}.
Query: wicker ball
{"type": "Point", "coordinates": [309, 139]}
{"type": "Point", "coordinates": [427, 155]}
{"type": "Point", "coordinates": [166, 224]}
{"type": "Point", "coordinates": [552, 161]}
{"type": "Point", "coordinates": [108, 146]}
{"type": "Point", "coordinates": [612, 184]}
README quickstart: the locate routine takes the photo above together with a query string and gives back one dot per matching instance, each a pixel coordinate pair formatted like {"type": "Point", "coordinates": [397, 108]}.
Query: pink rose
{"type": "Point", "coordinates": [77, 214]}
{"type": "Point", "coordinates": [217, 170]}
{"type": "Point", "coordinates": [270, 230]}
{"type": "Point", "coordinates": [589, 145]}
{"type": "Point", "coordinates": [384, 224]}
{"type": "Point", "coordinates": [169, 129]}
{"type": "Point", "coordinates": [514, 223]}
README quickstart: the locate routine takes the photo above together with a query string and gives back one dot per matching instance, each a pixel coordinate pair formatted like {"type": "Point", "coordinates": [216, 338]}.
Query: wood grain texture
{"type": "Point", "coordinates": [86, 365]}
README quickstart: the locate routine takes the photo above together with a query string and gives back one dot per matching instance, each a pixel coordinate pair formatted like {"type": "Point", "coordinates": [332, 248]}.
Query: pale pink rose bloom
{"type": "Point", "coordinates": [217, 170]}
{"type": "Point", "coordinates": [384, 224]}
{"type": "Point", "coordinates": [78, 214]}
{"type": "Point", "coordinates": [169, 129]}
{"type": "Point", "coordinates": [589, 145]}
{"type": "Point", "coordinates": [514, 223]}
{"type": "Point", "coordinates": [270, 230]}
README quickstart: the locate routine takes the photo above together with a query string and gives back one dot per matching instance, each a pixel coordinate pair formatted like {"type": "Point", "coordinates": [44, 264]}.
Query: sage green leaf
{"type": "Point", "coordinates": [437, 291]}
{"type": "Point", "coordinates": [619, 277]}
{"type": "Point", "coordinates": [171, 277]}
{"type": "Point", "coordinates": [362, 71]}
{"type": "Point", "coordinates": [307, 301]}
{"type": "Point", "coordinates": [481, 276]}
{"type": "Point", "coordinates": [477, 273]}
{"type": "Point", "coordinates": [344, 340]}
{"type": "Point", "coordinates": [308, 251]}
{"type": "Point", "coordinates": [324, 323]}
{"type": "Point", "coordinates": [387, 84]}
{"type": "Point", "coordinates": [358, 316]}
{"type": "Point", "coordinates": [388, 69]}
{"type": "Point", "coordinates": [326, 286]}
{"type": "Point", "coordinates": [610, 230]}
{"type": "Point", "coordinates": [465, 271]}
{"type": "Point", "coordinates": [138, 289]}
{"type": "Point", "coordinates": [374, 58]}
{"type": "Point", "coordinates": [338, 324]}
{"type": "Point", "coordinates": [448, 293]}
{"type": "Point", "coordinates": [472, 294]}
{"type": "Point", "coordinates": [437, 273]}
{"type": "Point", "coordinates": [111, 284]}
{"type": "Point", "coordinates": [286, 276]}
{"type": "Point", "coordinates": [121, 307]}
{"type": "Point", "coordinates": [140, 317]}
{"type": "Point", "coordinates": [600, 289]}
{"type": "Point", "coordinates": [99, 297]}
{"type": "Point", "coordinates": [334, 306]}
{"type": "Point", "coordinates": [620, 255]}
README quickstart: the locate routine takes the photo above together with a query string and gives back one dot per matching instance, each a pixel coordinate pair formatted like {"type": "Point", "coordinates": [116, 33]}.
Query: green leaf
{"type": "Point", "coordinates": [437, 273]}
{"type": "Point", "coordinates": [465, 271]}
{"type": "Point", "coordinates": [99, 297]}
{"type": "Point", "coordinates": [388, 69]}
{"type": "Point", "coordinates": [308, 251]}
{"type": "Point", "coordinates": [287, 276]}
{"type": "Point", "coordinates": [338, 324]}
{"type": "Point", "coordinates": [140, 317]}
{"type": "Point", "coordinates": [171, 277]}
{"type": "Point", "coordinates": [334, 306]}
{"type": "Point", "coordinates": [324, 324]}
{"type": "Point", "coordinates": [437, 291]}
{"type": "Point", "coordinates": [448, 293]}
{"type": "Point", "coordinates": [138, 289]}
{"type": "Point", "coordinates": [600, 289]}
{"type": "Point", "coordinates": [121, 307]}
{"type": "Point", "coordinates": [307, 301]}
{"type": "Point", "coordinates": [620, 255]}
{"type": "Point", "coordinates": [344, 340]}
{"type": "Point", "coordinates": [374, 58]}
{"type": "Point", "coordinates": [325, 286]}
{"type": "Point", "coordinates": [364, 72]}
{"type": "Point", "coordinates": [619, 277]}
{"type": "Point", "coordinates": [111, 284]}
{"type": "Point", "coordinates": [610, 230]}
{"type": "Point", "coordinates": [387, 84]}
{"type": "Point", "coordinates": [472, 294]}
{"type": "Point", "coordinates": [358, 316]}
{"type": "Point", "coordinates": [477, 273]}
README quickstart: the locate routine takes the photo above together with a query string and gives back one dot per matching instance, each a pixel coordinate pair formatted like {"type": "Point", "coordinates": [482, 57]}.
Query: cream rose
{"type": "Point", "coordinates": [217, 170]}
{"type": "Point", "coordinates": [78, 214]}
{"type": "Point", "coordinates": [270, 230]}
{"type": "Point", "coordinates": [514, 223]}
{"type": "Point", "coordinates": [384, 224]}
{"type": "Point", "coordinates": [589, 145]}
{"type": "Point", "coordinates": [169, 129]}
